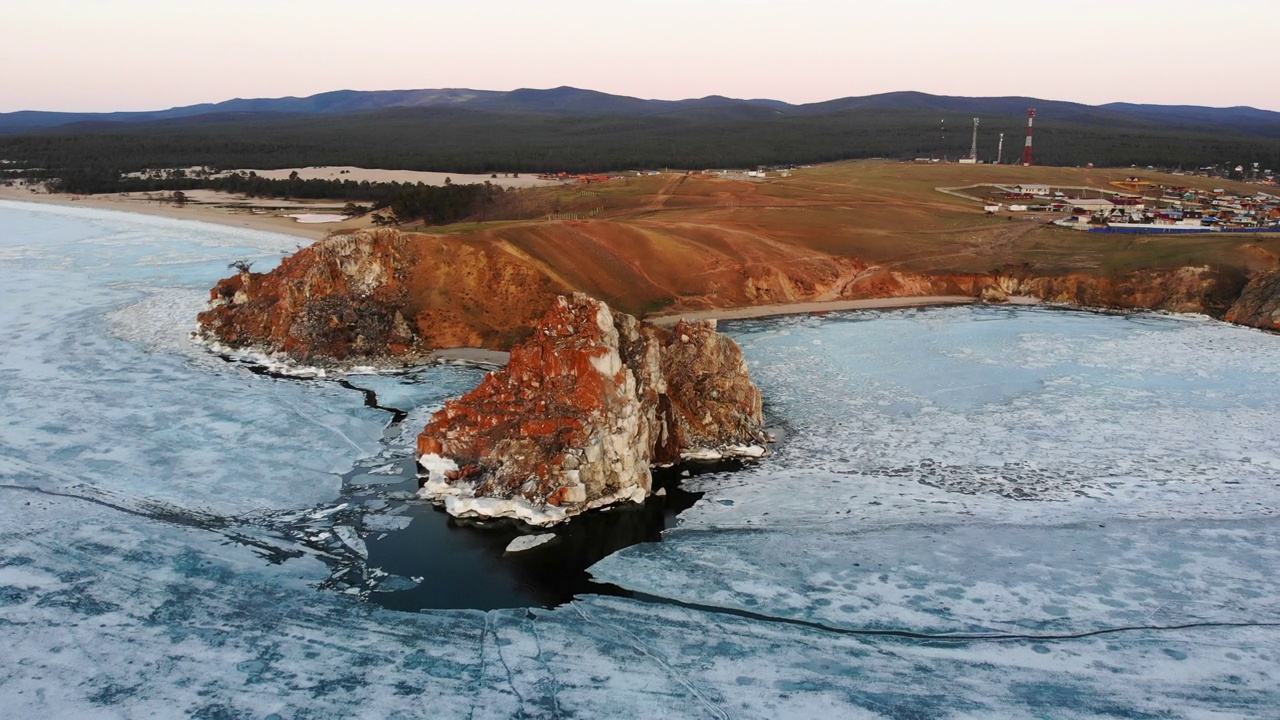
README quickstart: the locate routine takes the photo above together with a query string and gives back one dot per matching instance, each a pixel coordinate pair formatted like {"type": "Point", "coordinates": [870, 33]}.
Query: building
{"type": "Point", "coordinates": [1093, 206]}
{"type": "Point", "coordinates": [1031, 189]}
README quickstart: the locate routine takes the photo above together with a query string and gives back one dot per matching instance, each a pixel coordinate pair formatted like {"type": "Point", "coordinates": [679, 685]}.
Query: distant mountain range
{"type": "Point", "coordinates": [480, 131]}
{"type": "Point", "coordinates": [568, 101]}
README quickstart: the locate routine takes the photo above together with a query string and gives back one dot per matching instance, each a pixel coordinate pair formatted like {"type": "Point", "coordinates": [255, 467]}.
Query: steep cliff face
{"type": "Point", "coordinates": [1259, 304]}
{"type": "Point", "coordinates": [709, 398]}
{"type": "Point", "coordinates": [1187, 289]}
{"type": "Point", "coordinates": [341, 299]}
{"type": "Point", "coordinates": [388, 298]}
{"type": "Point", "coordinates": [583, 410]}
{"type": "Point", "coordinates": [380, 297]}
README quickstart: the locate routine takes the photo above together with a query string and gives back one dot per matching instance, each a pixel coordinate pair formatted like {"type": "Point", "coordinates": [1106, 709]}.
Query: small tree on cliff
{"type": "Point", "coordinates": [353, 210]}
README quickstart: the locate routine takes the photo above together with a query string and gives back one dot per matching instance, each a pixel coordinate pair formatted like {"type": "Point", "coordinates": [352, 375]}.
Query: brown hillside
{"type": "Point", "coordinates": [674, 242]}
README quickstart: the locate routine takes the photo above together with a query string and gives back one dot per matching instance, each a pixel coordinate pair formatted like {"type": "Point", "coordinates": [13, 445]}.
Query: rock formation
{"type": "Point", "coordinates": [338, 300]}
{"type": "Point", "coordinates": [380, 297]}
{"type": "Point", "coordinates": [582, 411]}
{"type": "Point", "coordinates": [1200, 289]}
{"type": "Point", "coordinates": [389, 298]}
{"type": "Point", "coordinates": [1259, 304]}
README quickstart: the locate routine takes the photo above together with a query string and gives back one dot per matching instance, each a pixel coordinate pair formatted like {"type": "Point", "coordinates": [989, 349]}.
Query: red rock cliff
{"type": "Point", "coordinates": [1259, 304]}
{"type": "Point", "coordinates": [388, 298]}
{"type": "Point", "coordinates": [1200, 289]}
{"type": "Point", "coordinates": [378, 297]}
{"type": "Point", "coordinates": [582, 411]}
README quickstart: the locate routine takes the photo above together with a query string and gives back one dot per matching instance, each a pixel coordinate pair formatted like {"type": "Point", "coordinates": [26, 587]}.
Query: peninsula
{"type": "Point", "coordinates": [674, 244]}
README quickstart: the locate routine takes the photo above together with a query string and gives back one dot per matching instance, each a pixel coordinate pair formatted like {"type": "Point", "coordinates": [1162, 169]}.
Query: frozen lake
{"type": "Point", "coordinates": [973, 512]}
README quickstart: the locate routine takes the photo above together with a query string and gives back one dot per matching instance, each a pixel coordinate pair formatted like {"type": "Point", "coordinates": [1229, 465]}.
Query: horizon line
{"type": "Point", "coordinates": [644, 99]}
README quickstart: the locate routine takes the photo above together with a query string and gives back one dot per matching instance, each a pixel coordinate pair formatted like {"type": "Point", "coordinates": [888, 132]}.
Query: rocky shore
{"type": "Point", "coordinates": [592, 398]}
{"type": "Point", "coordinates": [384, 298]}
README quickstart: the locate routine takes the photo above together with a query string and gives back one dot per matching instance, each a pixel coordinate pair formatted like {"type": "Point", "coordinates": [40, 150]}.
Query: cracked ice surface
{"type": "Point", "coordinates": [893, 504]}
{"type": "Point", "coordinates": [981, 470]}
{"type": "Point", "coordinates": [102, 388]}
{"type": "Point", "coordinates": [148, 619]}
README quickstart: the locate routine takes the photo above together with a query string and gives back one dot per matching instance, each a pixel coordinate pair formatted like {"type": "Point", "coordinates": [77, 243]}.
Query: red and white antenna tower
{"type": "Point", "coordinates": [1026, 151]}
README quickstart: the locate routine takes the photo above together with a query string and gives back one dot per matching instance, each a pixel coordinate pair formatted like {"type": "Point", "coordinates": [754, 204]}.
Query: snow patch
{"type": "Point", "coordinates": [461, 506]}
{"type": "Point", "coordinates": [436, 466]}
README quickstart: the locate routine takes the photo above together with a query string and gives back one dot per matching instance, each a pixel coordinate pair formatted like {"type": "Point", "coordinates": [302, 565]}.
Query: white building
{"type": "Point", "coordinates": [1093, 206]}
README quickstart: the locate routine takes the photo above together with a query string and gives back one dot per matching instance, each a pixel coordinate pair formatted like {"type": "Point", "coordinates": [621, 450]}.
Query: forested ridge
{"type": "Point", "coordinates": [396, 202]}
{"type": "Point", "coordinates": [459, 140]}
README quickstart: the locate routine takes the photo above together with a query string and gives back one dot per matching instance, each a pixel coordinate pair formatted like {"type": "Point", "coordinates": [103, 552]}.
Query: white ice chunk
{"type": "Point", "coordinates": [351, 539]}
{"type": "Point", "coordinates": [386, 523]}
{"type": "Point", "coordinates": [529, 542]}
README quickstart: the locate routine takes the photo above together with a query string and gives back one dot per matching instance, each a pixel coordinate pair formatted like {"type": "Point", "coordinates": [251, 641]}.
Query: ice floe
{"type": "Point", "coordinates": [529, 542]}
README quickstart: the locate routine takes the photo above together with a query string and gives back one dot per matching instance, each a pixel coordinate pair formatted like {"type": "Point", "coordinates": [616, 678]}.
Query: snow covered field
{"type": "Point", "coordinates": [973, 512]}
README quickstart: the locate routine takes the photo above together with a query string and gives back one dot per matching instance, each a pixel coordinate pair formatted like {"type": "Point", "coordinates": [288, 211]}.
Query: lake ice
{"type": "Point", "coordinates": [973, 512]}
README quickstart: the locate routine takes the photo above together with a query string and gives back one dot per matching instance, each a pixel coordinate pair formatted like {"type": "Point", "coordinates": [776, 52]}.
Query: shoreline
{"type": "Point", "coordinates": [198, 212]}
{"type": "Point", "coordinates": [479, 356]}
{"type": "Point", "coordinates": [499, 357]}
{"type": "Point", "coordinates": [190, 211]}
{"type": "Point", "coordinates": [817, 307]}
{"type": "Point", "coordinates": [236, 211]}
{"type": "Point", "coordinates": [288, 226]}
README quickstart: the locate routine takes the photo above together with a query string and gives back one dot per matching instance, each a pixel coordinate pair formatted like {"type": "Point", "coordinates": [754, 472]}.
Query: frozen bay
{"type": "Point", "coordinates": [973, 512]}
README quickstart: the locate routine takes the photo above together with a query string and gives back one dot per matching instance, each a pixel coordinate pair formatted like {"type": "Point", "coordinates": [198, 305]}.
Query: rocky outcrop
{"type": "Point", "coordinates": [379, 298]}
{"type": "Point", "coordinates": [582, 411]}
{"type": "Point", "coordinates": [339, 300]}
{"type": "Point", "coordinates": [389, 298]}
{"type": "Point", "coordinates": [1259, 304]}
{"type": "Point", "coordinates": [709, 400]}
{"type": "Point", "coordinates": [1201, 289]}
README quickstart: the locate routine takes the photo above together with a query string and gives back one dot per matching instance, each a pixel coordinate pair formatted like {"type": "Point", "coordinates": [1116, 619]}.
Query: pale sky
{"type": "Point", "coordinates": [103, 55]}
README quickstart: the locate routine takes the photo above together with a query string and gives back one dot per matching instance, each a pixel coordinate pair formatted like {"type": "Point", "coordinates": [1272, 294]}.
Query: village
{"type": "Point", "coordinates": [1132, 205]}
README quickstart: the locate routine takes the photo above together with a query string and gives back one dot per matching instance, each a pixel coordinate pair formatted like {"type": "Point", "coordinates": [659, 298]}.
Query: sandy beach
{"type": "Point", "coordinates": [471, 355]}
{"type": "Point", "coordinates": [205, 206]}
{"type": "Point", "coordinates": [497, 357]}
{"type": "Point", "coordinates": [802, 308]}
{"type": "Point", "coordinates": [357, 174]}
{"type": "Point", "coordinates": [263, 213]}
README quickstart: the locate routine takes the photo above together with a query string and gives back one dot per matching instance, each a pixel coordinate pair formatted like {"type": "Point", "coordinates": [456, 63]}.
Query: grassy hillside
{"type": "Point", "coordinates": [696, 241]}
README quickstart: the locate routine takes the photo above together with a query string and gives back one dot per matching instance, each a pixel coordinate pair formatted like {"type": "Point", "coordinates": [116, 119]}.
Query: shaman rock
{"type": "Point", "coordinates": [582, 411]}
